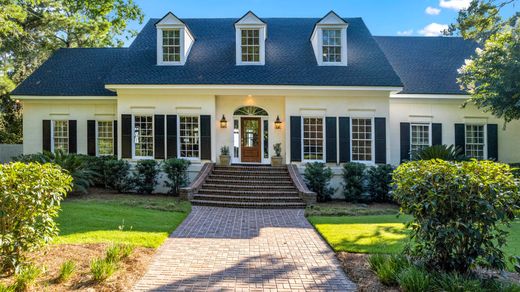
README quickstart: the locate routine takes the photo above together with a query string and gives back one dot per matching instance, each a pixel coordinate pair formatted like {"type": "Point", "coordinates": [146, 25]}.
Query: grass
{"type": "Point", "coordinates": [340, 208]}
{"type": "Point", "coordinates": [102, 269]}
{"type": "Point", "coordinates": [120, 219]}
{"type": "Point", "coordinates": [66, 271]}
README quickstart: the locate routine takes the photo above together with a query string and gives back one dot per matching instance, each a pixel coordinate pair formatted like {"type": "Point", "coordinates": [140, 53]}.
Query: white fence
{"type": "Point", "coordinates": [8, 151]}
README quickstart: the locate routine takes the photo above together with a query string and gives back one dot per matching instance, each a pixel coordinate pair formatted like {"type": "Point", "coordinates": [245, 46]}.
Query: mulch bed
{"type": "Point", "coordinates": [358, 270]}
{"type": "Point", "coordinates": [51, 258]}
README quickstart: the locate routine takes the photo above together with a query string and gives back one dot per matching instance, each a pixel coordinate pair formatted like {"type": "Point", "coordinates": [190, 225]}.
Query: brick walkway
{"type": "Point", "coordinates": [225, 249]}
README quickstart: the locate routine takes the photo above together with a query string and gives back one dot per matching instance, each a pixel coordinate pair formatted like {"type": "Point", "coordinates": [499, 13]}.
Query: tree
{"type": "Point", "coordinates": [491, 75]}
{"type": "Point", "coordinates": [31, 30]}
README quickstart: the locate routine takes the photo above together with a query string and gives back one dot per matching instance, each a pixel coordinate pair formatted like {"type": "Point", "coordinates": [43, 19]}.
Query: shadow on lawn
{"type": "Point", "coordinates": [376, 241]}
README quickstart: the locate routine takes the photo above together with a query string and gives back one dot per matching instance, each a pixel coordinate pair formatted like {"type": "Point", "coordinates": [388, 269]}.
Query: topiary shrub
{"type": "Point", "coordinates": [317, 178]}
{"type": "Point", "coordinates": [379, 182]}
{"type": "Point", "coordinates": [117, 175]}
{"type": "Point", "coordinates": [460, 211]}
{"type": "Point", "coordinates": [145, 179]}
{"type": "Point", "coordinates": [354, 181]}
{"type": "Point", "coordinates": [30, 196]}
{"type": "Point", "coordinates": [177, 172]}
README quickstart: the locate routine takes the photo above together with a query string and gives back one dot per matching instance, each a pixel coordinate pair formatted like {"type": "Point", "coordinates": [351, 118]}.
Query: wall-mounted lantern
{"type": "Point", "coordinates": [223, 122]}
{"type": "Point", "coordinates": [277, 123]}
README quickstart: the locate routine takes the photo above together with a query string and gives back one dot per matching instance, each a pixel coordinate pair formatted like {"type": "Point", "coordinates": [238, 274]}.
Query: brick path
{"type": "Point", "coordinates": [225, 249]}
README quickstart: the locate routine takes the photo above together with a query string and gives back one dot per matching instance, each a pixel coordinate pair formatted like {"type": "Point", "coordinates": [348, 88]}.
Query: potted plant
{"type": "Point", "coordinates": [276, 160]}
{"type": "Point", "coordinates": [225, 159]}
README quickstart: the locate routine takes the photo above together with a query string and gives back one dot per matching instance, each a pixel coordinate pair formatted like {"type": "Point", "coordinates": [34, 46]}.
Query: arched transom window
{"type": "Point", "coordinates": [250, 111]}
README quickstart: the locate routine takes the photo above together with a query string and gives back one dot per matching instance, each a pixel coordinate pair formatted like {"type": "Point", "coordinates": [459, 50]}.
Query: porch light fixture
{"type": "Point", "coordinates": [223, 122]}
{"type": "Point", "coordinates": [277, 123]}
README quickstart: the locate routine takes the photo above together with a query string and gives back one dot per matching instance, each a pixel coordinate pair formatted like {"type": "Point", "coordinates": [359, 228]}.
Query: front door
{"type": "Point", "coordinates": [251, 149]}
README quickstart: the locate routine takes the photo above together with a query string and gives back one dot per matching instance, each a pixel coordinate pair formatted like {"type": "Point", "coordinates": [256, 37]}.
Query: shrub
{"type": "Point", "coordinates": [116, 253]}
{"type": "Point", "coordinates": [98, 164]}
{"type": "Point", "coordinates": [317, 177]}
{"type": "Point", "coordinates": [414, 279]}
{"type": "Point", "coordinates": [354, 181]}
{"type": "Point", "coordinates": [444, 152]}
{"type": "Point", "coordinates": [460, 211]}
{"type": "Point", "coordinates": [224, 150]}
{"type": "Point", "coordinates": [379, 182]}
{"type": "Point", "coordinates": [177, 172]}
{"type": "Point", "coordinates": [146, 176]}
{"type": "Point", "coordinates": [387, 268]}
{"type": "Point", "coordinates": [277, 149]}
{"type": "Point", "coordinates": [102, 269]}
{"type": "Point", "coordinates": [66, 271]}
{"type": "Point", "coordinates": [26, 277]}
{"type": "Point", "coordinates": [30, 196]}
{"type": "Point", "coordinates": [515, 168]}
{"type": "Point", "coordinates": [117, 175]}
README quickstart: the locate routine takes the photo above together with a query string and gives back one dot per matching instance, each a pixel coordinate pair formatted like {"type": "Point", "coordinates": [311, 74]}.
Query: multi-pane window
{"type": "Point", "coordinates": [105, 137]}
{"type": "Point", "coordinates": [189, 136]}
{"type": "Point", "coordinates": [475, 141]}
{"type": "Point", "coordinates": [250, 45]}
{"type": "Point", "coordinates": [313, 138]}
{"type": "Point", "coordinates": [331, 39]}
{"type": "Point", "coordinates": [171, 46]}
{"type": "Point", "coordinates": [420, 137]}
{"type": "Point", "coordinates": [60, 136]}
{"type": "Point", "coordinates": [362, 139]}
{"type": "Point", "coordinates": [143, 136]}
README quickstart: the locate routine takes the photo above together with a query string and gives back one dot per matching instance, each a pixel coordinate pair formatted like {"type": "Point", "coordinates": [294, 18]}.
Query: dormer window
{"type": "Point", "coordinates": [251, 33]}
{"type": "Point", "coordinates": [329, 41]}
{"type": "Point", "coordinates": [174, 41]}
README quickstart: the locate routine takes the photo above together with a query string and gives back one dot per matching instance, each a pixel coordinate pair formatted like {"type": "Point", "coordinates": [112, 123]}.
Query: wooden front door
{"type": "Point", "coordinates": [251, 149]}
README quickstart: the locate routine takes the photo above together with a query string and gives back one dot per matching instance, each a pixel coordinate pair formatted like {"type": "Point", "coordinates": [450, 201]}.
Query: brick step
{"type": "Point", "coordinates": [254, 205]}
{"type": "Point", "coordinates": [249, 177]}
{"type": "Point", "coordinates": [247, 192]}
{"type": "Point", "coordinates": [270, 199]}
{"type": "Point", "coordinates": [251, 167]}
{"type": "Point", "coordinates": [252, 186]}
{"type": "Point", "coordinates": [251, 172]}
{"type": "Point", "coordinates": [250, 182]}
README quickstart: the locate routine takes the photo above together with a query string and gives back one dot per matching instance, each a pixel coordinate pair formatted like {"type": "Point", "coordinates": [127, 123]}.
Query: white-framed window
{"type": "Point", "coordinates": [313, 139]}
{"type": "Point", "coordinates": [362, 139]}
{"type": "Point", "coordinates": [60, 136]}
{"type": "Point", "coordinates": [189, 137]}
{"type": "Point", "coordinates": [143, 136]}
{"type": "Point", "coordinates": [420, 137]}
{"type": "Point", "coordinates": [331, 45]}
{"type": "Point", "coordinates": [476, 141]}
{"type": "Point", "coordinates": [250, 45]}
{"type": "Point", "coordinates": [171, 45]}
{"type": "Point", "coordinates": [105, 138]}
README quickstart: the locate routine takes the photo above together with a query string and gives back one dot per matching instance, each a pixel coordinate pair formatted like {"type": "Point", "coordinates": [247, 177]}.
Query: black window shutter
{"type": "Point", "coordinates": [91, 138]}
{"type": "Point", "coordinates": [296, 138]}
{"type": "Point", "coordinates": [205, 137]}
{"type": "Point", "coordinates": [380, 140]}
{"type": "Point", "coordinates": [331, 139]}
{"type": "Point", "coordinates": [436, 134]}
{"type": "Point", "coordinates": [46, 132]}
{"type": "Point", "coordinates": [126, 136]}
{"type": "Point", "coordinates": [73, 136]}
{"type": "Point", "coordinates": [114, 129]}
{"type": "Point", "coordinates": [344, 139]}
{"type": "Point", "coordinates": [492, 141]}
{"type": "Point", "coordinates": [171, 136]}
{"type": "Point", "coordinates": [460, 137]}
{"type": "Point", "coordinates": [405, 142]}
{"type": "Point", "coordinates": [159, 136]}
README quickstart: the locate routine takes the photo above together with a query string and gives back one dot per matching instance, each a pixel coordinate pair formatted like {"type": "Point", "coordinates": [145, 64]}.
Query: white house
{"type": "Point", "coordinates": [326, 89]}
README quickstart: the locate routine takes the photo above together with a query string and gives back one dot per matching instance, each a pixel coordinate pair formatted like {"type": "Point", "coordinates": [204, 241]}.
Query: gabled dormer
{"type": "Point", "coordinates": [174, 40]}
{"type": "Point", "coordinates": [250, 36]}
{"type": "Point", "coordinates": [329, 40]}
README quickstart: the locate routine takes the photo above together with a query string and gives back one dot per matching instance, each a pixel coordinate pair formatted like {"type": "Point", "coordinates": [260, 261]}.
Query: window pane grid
{"type": "Point", "coordinates": [189, 136]}
{"type": "Point", "coordinates": [171, 45]}
{"type": "Point", "coordinates": [420, 137]}
{"type": "Point", "coordinates": [143, 136]}
{"type": "Point", "coordinates": [313, 138]}
{"type": "Point", "coordinates": [61, 136]}
{"type": "Point", "coordinates": [250, 45]}
{"type": "Point", "coordinates": [105, 138]}
{"type": "Point", "coordinates": [362, 139]}
{"type": "Point", "coordinates": [331, 39]}
{"type": "Point", "coordinates": [475, 141]}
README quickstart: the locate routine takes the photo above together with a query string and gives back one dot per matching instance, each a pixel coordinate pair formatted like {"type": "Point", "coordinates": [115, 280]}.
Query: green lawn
{"type": "Point", "coordinates": [380, 233]}
{"type": "Point", "coordinates": [137, 220]}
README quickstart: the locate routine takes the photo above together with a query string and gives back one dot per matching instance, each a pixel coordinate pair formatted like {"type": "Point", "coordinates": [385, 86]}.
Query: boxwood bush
{"type": "Point", "coordinates": [30, 196]}
{"type": "Point", "coordinates": [177, 172]}
{"type": "Point", "coordinates": [317, 178]}
{"type": "Point", "coordinates": [460, 211]}
{"type": "Point", "coordinates": [145, 178]}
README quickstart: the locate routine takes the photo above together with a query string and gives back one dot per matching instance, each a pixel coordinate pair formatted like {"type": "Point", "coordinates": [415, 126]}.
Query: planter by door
{"type": "Point", "coordinates": [250, 140]}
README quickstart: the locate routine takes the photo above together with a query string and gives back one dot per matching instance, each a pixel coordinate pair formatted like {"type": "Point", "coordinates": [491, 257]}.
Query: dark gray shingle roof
{"type": "Point", "coordinates": [427, 65]}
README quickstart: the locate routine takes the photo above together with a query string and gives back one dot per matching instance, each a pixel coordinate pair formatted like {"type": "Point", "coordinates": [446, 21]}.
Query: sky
{"type": "Point", "coordinates": [383, 17]}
